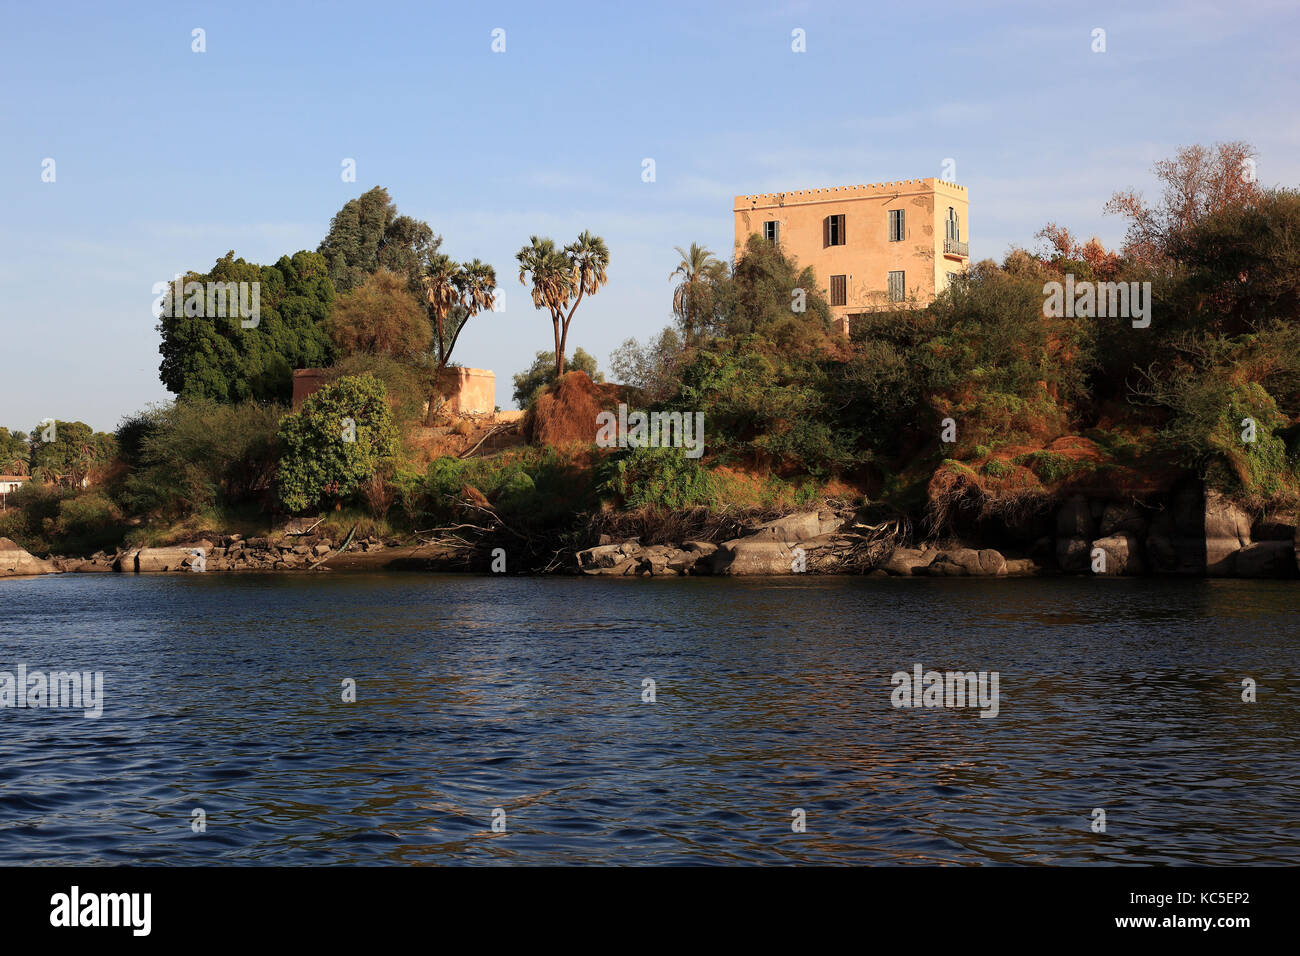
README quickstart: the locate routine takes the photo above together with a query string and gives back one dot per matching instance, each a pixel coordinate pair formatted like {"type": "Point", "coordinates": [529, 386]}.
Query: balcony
{"type": "Point", "coordinates": [956, 248]}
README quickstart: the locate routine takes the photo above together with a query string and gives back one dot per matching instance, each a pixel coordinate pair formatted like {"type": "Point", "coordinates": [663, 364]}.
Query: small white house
{"type": "Point", "coordinates": [11, 483]}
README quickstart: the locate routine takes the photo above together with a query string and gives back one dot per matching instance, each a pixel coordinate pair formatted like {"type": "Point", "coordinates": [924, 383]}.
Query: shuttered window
{"type": "Point", "coordinates": [772, 230]}
{"type": "Point", "coordinates": [839, 290]}
{"type": "Point", "coordinates": [897, 225]}
{"type": "Point", "coordinates": [897, 286]}
{"type": "Point", "coordinates": [833, 231]}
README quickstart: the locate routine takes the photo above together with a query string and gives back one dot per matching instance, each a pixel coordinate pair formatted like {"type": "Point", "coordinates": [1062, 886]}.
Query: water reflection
{"type": "Point", "coordinates": [525, 695]}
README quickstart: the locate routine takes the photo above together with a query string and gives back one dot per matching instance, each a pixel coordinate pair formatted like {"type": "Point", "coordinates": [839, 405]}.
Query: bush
{"type": "Point", "coordinates": [199, 453]}
{"type": "Point", "coordinates": [659, 476]}
{"type": "Point", "coordinates": [341, 436]}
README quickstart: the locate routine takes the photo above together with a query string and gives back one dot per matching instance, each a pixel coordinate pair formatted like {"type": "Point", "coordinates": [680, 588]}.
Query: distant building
{"type": "Point", "coordinates": [11, 483]}
{"type": "Point", "coordinates": [465, 391]}
{"type": "Point", "coordinates": [871, 247]}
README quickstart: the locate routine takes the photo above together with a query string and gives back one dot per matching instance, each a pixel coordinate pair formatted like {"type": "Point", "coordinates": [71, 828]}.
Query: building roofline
{"type": "Point", "coordinates": [840, 192]}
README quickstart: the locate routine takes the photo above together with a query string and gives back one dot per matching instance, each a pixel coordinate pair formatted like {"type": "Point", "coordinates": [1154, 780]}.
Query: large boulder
{"type": "Point", "coordinates": [909, 561]}
{"type": "Point", "coordinates": [1265, 559]}
{"type": "Point", "coordinates": [1122, 554]}
{"type": "Point", "coordinates": [179, 557]}
{"type": "Point", "coordinates": [797, 527]}
{"type": "Point", "coordinates": [15, 560]}
{"type": "Point", "coordinates": [1073, 554]}
{"type": "Point", "coordinates": [745, 556]}
{"type": "Point", "coordinates": [963, 562]}
{"type": "Point", "coordinates": [1227, 531]}
{"type": "Point", "coordinates": [610, 559]}
{"type": "Point", "coordinates": [1119, 516]}
{"type": "Point", "coordinates": [1074, 519]}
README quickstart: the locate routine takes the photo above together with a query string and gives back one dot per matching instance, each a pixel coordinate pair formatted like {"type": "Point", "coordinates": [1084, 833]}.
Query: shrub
{"type": "Point", "coordinates": [659, 476]}
{"type": "Point", "coordinates": [340, 437]}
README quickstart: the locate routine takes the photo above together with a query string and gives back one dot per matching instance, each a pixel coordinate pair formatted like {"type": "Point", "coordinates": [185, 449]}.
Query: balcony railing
{"type": "Point", "coordinates": [955, 247]}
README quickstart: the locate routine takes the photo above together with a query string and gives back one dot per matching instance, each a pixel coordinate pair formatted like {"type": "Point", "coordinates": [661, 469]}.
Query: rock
{"type": "Point", "coordinates": [1074, 519]}
{"type": "Point", "coordinates": [790, 528]}
{"type": "Point", "coordinates": [1227, 531]}
{"type": "Point", "coordinates": [1019, 567]}
{"type": "Point", "coordinates": [158, 560]}
{"type": "Point", "coordinates": [126, 561]}
{"type": "Point", "coordinates": [601, 557]}
{"type": "Point", "coordinates": [1274, 528]}
{"type": "Point", "coordinates": [1121, 517]}
{"type": "Point", "coordinates": [1265, 559]}
{"type": "Point", "coordinates": [700, 547]}
{"type": "Point", "coordinates": [15, 560]}
{"type": "Point", "coordinates": [321, 549]}
{"type": "Point", "coordinates": [746, 556]}
{"type": "Point", "coordinates": [908, 561]}
{"type": "Point", "coordinates": [1122, 555]}
{"type": "Point", "coordinates": [967, 561]}
{"type": "Point", "coordinates": [1073, 554]}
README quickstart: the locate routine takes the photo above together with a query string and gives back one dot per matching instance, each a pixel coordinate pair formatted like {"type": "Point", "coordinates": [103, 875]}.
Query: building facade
{"type": "Point", "coordinates": [871, 247]}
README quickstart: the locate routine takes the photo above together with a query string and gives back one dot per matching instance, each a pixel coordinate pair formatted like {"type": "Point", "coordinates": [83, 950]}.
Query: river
{"type": "Point", "coordinates": [507, 720]}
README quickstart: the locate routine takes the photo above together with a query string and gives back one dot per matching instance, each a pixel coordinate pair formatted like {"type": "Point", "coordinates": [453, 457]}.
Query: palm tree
{"type": "Point", "coordinates": [589, 259]}
{"type": "Point", "coordinates": [552, 277]}
{"type": "Point", "coordinates": [439, 281]}
{"type": "Point", "coordinates": [456, 293]}
{"type": "Point", "coordinates": [699, 269]}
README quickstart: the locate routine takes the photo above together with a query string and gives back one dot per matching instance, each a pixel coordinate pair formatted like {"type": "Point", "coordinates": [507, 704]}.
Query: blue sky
{"type": "Point", "coordinates": [166, 158]}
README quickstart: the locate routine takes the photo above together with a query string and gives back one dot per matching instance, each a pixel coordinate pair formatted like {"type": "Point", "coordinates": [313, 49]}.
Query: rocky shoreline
{"type": "Point", "coordinates": [1186, 531]}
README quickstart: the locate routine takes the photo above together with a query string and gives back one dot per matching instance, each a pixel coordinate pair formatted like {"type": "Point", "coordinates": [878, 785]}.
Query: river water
{"type": "Point", "coordinates": [521, 701]}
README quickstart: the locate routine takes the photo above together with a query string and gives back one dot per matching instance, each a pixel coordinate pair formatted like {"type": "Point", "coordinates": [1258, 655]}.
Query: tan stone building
{"type": "Point", "coordinates": [870, 246]}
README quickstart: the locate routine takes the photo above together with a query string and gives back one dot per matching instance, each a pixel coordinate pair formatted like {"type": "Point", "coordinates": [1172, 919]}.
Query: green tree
{"type": "Point", "coordinates": [342, 435]}
{"type": "Point", "coordinates": [74, 450]}
{"type": "Point", "coordinates": [367, 234]}
{"type": "Point", "coordinates": [530, 382]}
{"type": "Point", "coordinates": [695, 298]}
{"type": "Point", "coordinates": [231, 359]}
{"type": "Point", "coordinates": [14, 452]}
{"type": "Point", "coordinates": [197, 453]}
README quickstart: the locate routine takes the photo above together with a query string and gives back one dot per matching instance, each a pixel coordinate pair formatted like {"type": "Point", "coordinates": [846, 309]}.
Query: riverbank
{"type": "Point", "coordinates": [1185, 531]}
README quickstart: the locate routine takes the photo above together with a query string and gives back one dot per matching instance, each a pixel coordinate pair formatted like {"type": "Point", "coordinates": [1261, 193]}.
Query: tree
{"type": "Point", "coordinates": [561, 275]}
{"type": "Point", "coordinates": [231, 359]}
{"type": "Point", "coordinates": [367, 234]}
{"type": "Point", "coordinates": [75, 450]}
{"type": "Point", "coordinates": [1197, 181]}
{"type": "Point", "coordinates": [197, 453]}
{"type": "Point", "coordinates": [455, 294]}
{"type": "Point", "coordinates": [651, 368]}
{"type": "Point", "coordinates": [380, 317]}
{"type": "Point", "coordinates": [14, 452]}
{"type": "Point", "coordinates": [530, 382]}
{"type": "Point", "coordinates": [695, 297]}
{"type": "Point", "coordinates": [342, 435]}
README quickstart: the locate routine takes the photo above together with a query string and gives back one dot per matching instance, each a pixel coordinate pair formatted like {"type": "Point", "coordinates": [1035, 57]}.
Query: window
{"type": "Point", "coordinates": [839, 289]}
{"type": "Point", "coordinates": [954, 225]}
{"type": "Point", "coordinates": [897, 226]}
{"type": "Point", "coordinates": [897, 286]}
{"type": "Point", "coordinates": [772, 230]}
{"type": "Point", "coordinates": [833, 231]}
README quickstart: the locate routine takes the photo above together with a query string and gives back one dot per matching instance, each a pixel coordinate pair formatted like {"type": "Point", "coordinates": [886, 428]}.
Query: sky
{"type": "Point", "coordinates": [165, 158]}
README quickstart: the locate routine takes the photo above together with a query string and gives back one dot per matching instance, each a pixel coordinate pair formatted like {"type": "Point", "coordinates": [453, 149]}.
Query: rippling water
{"type": "Point", "coordinates": [474, 693]}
